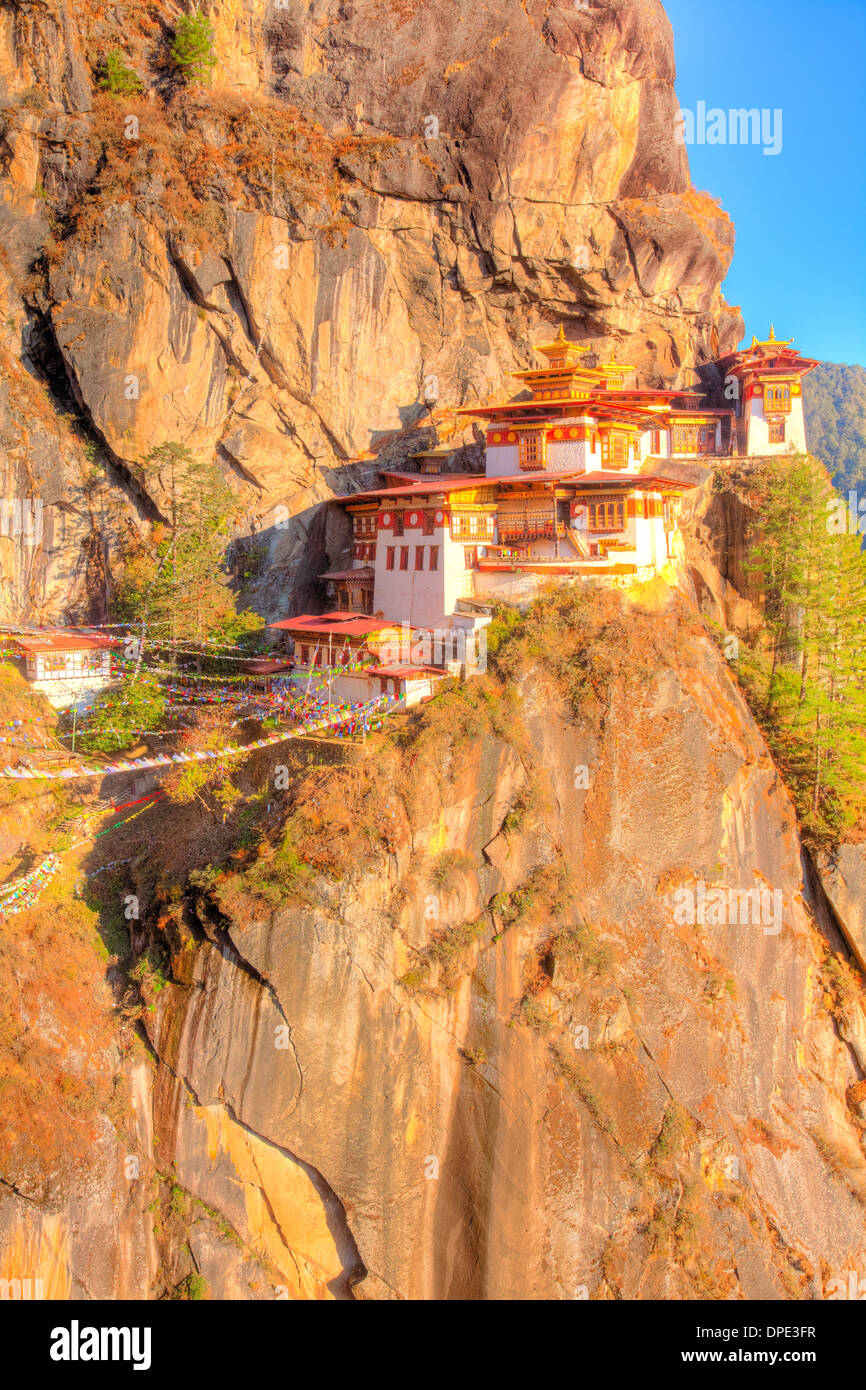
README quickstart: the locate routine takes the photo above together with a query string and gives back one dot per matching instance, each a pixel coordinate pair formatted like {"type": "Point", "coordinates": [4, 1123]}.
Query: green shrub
{"type": "Point", "coordinates": [117, 78]}
{"type": "Point", "coordinates": [192, 47]}
{"type": "Point", "coordinates": [446, 865]}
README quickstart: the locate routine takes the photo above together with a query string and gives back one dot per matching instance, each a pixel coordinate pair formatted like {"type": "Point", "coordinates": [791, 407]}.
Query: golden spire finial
{"type": "Point", "coordinates": [772, 337]}
{"type": "Point", "coordinates": [561, 338]}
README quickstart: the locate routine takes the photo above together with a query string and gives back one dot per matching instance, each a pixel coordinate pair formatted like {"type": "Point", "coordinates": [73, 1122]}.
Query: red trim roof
{"type": "Point", "coordinates": [413, 672]}
{"type": "Point", "coordinates": [62, 642]}
{"type": "Point", "coordinates": [265, 668]}
{"type": "Point", "coordinates": [438, 482]}
{"type": "Point", "coordinates": [348, 625]}
{"type": "Point", "coordinates": [571, 478]}
{"type": "Point", "coordinates": [362, 572]}
{"type": "Point", "coordinates": [431, 478]}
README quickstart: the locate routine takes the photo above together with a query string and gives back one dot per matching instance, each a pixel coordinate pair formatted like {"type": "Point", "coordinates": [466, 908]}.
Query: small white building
{"type": "Point", "coordinates": [69, 668]}
{"type": "Point", "coordinates": [769, 397]}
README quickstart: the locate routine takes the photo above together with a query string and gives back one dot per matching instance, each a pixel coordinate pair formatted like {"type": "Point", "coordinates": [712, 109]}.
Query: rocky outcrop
{"type": "Point", "coordinates": [490, 173]}
{"type": "Point", "coordinates": [843, 876]}
{"type": "Point", "coordinates": [478, 1048]}
{"type": "Point", "coordinates": [504, 1063]}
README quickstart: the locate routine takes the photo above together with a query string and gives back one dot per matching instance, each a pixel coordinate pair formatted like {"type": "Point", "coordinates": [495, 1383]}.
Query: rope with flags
{"type": "Point", "coordinates": [359, 719]}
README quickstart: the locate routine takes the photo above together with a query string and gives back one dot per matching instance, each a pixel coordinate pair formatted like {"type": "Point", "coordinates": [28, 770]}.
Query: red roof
{"type": "Point", "coordinates": [437, 482]}
{"type": "Point", "coordinates": [59, 641]}
{"type": "Point", "coordinates": [596, 406]}
{"type": "Point", "coordinates": [363, 572]}
{"type": "Point", "coordinates": [661, 395]}
{"type": "Point", "coordinates": [643, 482]}
{"type": "Point", "coordinates": [568, 476]}
{"type": "Point", "coordinates": [324, 624]}
{"type": "Point", "coordinates": [262, 667]}
{"type": "Point", "coordinates": [431, 478]}
{"type": "Point", "coordinates": [409, 672]}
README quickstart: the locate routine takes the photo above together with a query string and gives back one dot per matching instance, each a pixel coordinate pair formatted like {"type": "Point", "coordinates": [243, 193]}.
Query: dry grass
{"type": "Point", "coordinates": [202, 152]}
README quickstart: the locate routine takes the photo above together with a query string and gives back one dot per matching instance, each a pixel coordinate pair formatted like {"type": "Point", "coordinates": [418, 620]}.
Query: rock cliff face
{"type": "Point", "coordinates": [574, 1091]}
{"type": "Point", "coordinates": [218, 273]}
{"type": "Point", "coordinates": [476, 1049]}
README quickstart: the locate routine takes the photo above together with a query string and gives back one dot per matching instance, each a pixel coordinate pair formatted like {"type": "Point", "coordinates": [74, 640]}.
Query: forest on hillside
{"type": "Point", "coordinates": [835, 401]}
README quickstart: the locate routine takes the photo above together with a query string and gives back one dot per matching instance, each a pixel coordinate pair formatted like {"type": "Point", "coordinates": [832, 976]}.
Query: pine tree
{"type": "Point", "coordinates": [119, 715]}
{"type": "Point", "coordinates": [806, 674]}
{"type": "Point", "coordinates": [177, 589]}
{"type": "Point", "coordinates": [192, 47]}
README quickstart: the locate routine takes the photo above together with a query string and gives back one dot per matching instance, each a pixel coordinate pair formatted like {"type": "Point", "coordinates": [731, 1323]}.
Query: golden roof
{"type": "Point", "coordinates": [560, 345]}
{"type": "Point", "coordinates": [772, 341]}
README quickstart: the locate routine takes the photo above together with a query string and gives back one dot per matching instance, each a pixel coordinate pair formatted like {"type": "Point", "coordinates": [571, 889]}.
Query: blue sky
{"type": "Point", "coordinates": [800, 216]}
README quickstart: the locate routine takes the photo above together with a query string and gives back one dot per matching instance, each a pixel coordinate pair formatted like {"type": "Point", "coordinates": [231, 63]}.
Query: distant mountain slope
{"type": "Point", "coordinates": [835, 401]}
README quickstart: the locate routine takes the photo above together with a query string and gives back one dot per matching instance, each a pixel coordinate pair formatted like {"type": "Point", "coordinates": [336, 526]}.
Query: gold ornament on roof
{"type": "Point", "coordinates": [772, 341]}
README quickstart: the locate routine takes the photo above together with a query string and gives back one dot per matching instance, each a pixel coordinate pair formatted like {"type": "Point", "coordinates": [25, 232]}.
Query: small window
{"type": "Point", "coordinates": [419, 557]}
{"type": "Point", "coordinates": [404, 557]}
{"type": "Point", "coordinates": [777, 431]}
{"type": "Point", "coordinates": [614, 449]}
{"type": "Point", "coordinates": [434, 557]}
{"type": "Point", "coordinates": [657, 442]}
{"type": "Point", "coordinates": [390, 554]}
{"type": "Point", "coordinates": [533, 449]}
{"type": "Point", "coordinates": [470, 557]}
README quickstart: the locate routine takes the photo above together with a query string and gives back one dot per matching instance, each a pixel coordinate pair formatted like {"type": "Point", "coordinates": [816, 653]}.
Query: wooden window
{"type": "Point", "coordinates": [607, 516]}
{"type": "Point", "coordinates": [56, 663]}
{"type": "Point", "coordinates": [777, 431]}
{"type": "Point", "coordinates": [434, 557]}
{"type": "Point", "coordinates": [777, 398]}
{"type": "Point", "coordinates": [419, 557]}
{"type": "Point", "coordinates": [470, 557]}
{"type": "Point", "coordinates": [614, 449]}
{"type": "Point", "coordinates": [533, 449]}
{"type": "Point", "coordinates": [428, 523]}
{"type": "Point", "coordinates": [685, 439]}
{"type": "Point", "coordinates": [657, 442]}
{"type": "Point", "coordinates": [404, 557]}
{"type": "Point", "coordinates": [390, 554]}
{"type": "Point", "coordinates": [398, 523]}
